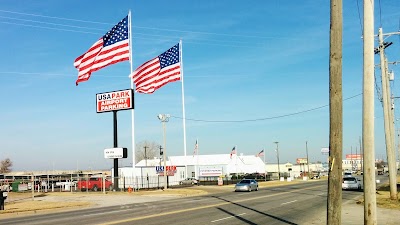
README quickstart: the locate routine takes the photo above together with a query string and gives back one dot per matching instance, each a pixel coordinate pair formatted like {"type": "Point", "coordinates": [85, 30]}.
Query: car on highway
{"type": "Point", "coordinates": [189, 181]}
{"type": "Point", "coordinates": [351, 183]}
{"type": "Point", "coordinates": [247, 185]}
{"type": "Point", "coordinates": [347, 174]}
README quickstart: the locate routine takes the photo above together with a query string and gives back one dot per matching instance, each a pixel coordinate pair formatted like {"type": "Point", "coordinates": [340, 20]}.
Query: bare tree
{"type": "Point", "coordinates": [147, 149]}
{"type": "Point", "coordinates": [5, 166]}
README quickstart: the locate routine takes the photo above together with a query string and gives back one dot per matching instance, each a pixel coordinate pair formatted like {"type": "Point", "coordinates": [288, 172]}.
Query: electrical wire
{"type": "Point", "coordinates": [260, 119]}
{"type": "Point", "coordinates": [153, 28]}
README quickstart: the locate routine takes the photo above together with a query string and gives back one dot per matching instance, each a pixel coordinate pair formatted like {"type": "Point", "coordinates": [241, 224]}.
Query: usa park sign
{"type": "Point", "coordinates": [114, 101]}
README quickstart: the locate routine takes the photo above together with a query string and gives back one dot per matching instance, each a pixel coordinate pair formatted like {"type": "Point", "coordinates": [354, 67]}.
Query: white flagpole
{"type": "Point", "coordinates": [183, 107]}
{"type": "Point", "coordinates": [133, 113]}
{"type": "Point", "coordinates": [236, 156]}
{"type": "Point", "coordinates": [197, 169]}
{"type": "Point", "coordinates": [265, 171]}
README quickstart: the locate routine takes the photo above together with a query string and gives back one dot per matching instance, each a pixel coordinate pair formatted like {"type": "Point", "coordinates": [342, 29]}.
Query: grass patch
{"type": "Point", "coordinates": [383, 200]}
{"type": "Point", "coordinates": [383, 197]}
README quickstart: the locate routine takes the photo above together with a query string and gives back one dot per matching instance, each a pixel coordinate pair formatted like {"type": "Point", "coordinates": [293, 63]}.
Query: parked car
{"type": "Point", "coordinates": [247, 185]}
{"type": "Point", "coordinates": [189, 181]}
{"type": "Point", "coordinates": [351, 183]}
{"type": "Point", "coordinates": [95, 184]}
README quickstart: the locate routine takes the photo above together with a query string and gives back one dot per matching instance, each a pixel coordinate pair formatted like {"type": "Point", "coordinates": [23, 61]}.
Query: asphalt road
{"type": "Point", "coordinates": [303, 203]}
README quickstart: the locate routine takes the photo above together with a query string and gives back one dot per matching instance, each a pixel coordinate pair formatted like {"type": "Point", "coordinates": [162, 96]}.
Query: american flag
{"type": "Point", "coordinates": [260, 153]}
{"type": "Point", "coordinates": [196, 146]}
{"type": "Point", "coordinates": [233, 151]}
{"type": "Point", "coordinates": [157, 72]}
{"type": "Point", "coordinates": [112, 48]}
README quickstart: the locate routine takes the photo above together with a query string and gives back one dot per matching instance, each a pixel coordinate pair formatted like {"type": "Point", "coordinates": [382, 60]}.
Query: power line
{"type": "Point", "coordinates": [153, 28]}
{"type": "Point", "coordinates": [260, 119]}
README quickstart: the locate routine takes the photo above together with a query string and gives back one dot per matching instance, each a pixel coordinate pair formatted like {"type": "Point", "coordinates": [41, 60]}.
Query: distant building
{"type": "Point", "coordinates": [295, 170]}
{"type": "Point", "coordinates": [202, 167]}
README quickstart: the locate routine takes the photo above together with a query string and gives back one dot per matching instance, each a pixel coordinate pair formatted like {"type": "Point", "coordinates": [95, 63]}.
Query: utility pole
{"type": "Point", "coordinates": [398, 145]}
{"type": "Point", "coordinates": [368, 116]}
{"type": "Point", "coordinates": [308, 164]}
{"type": "Point", "coordinates": [388, 119]}
{"type": "Point", "coordinates": [145, 154]}
{"type": "Point", "coordinates": [361, 154]}
{"type": "Point", "coordinates": [334, 206]}
{"type": "Point", "coordinates": [277, 156]}
{"type": "Point", "coordinates": [351, 157]}
{"type": "Point", "coordinates": [356, 160]}
{"type": "Point", "coordinates": [164, 118]}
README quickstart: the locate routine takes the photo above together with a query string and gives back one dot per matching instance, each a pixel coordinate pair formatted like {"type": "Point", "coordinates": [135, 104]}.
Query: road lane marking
{"type": "Point", "coordinates": [206, 206]}
{"type": "Point", "coordinates": [228, 217]}
{"type": "Point", "coordinates": [289, 202]}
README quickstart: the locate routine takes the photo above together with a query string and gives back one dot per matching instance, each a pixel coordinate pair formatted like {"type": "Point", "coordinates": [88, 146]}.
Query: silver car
{"type": "Point", "coordinates": [189, 181]}
{"type": "Point", "coordinates": [351, 183]}
{"type": "Point", "coordinates": [247, 185]}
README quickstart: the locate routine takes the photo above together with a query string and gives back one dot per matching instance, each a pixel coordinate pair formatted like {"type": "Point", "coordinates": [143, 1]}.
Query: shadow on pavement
{"type": "Point", "coordinates": [263, 213]}
{"type": "Point", "coordinates": [237, 216]}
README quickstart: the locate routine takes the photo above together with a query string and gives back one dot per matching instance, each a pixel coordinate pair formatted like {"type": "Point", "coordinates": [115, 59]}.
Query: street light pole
{"type": "Point", "coordinates": [164, 118]}
{"type": "Point", "coordinates": [277, 156]}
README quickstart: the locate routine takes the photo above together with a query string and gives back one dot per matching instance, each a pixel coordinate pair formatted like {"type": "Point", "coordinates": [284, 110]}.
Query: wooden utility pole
{"type": "Point", "coordinates": [388, 119]}
{"type": "Point", "coordinates": [368, 116]}
{"type": "Point", "coordinates": [145, 154]}
{"type": "Point", "coordinates": [334, 207]}
{"type": "Point", "coordinates": [362, 155]}
{"type": "Point", "coordinates": [308, 163]}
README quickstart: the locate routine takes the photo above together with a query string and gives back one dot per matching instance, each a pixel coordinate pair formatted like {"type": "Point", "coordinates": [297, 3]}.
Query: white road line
{"type": "Point", "coordinates": [228, 217]}
{"type": "Point", "coordinates": [289, 202]}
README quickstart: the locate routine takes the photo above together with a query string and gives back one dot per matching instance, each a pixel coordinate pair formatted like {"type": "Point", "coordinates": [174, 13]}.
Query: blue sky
{"type": "Point", "coordinates": [241, 62]}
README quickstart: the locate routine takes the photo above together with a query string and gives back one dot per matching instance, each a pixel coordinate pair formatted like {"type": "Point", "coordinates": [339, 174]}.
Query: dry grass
{"type": "Point", "coordinates": [23, 202]}
{"type": "Point", "coordinates": [38, 205]}
{"type": "Point", "coordinates": [383, 197]}
{"type": "Point", "coordinates": [383, 200]}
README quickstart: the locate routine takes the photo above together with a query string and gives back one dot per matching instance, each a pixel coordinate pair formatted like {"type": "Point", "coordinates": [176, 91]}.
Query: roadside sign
{"type": "Point", "coordinates": [324, 150]}
{"type": "Point", "coordinates": [171, 170]}
{"type": "Point", "coordinates": [210, 172]}
{"type": "Point", "coordinates": [115, 153]}
{"type": "Point", "coordinates": [301, 160]}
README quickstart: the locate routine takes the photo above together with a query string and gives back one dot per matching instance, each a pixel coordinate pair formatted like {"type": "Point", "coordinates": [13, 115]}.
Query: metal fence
{"type": "Point", "coordinates": [70, 183]}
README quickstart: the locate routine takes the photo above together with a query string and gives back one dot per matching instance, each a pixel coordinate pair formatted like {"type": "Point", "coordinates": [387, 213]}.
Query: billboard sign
{"type": "Point", "coordinates": [114, 101]}
{"type": "Point", "coordinates": [115, 153]}
{"type": "Point", "coordinates": [171, 170]}
{"type": "Point", "coordinates": [210, 172]}
{"type": "Point", "coordinates": [301, 160]}
{"type": "Point", "coordinates": [353, 156]}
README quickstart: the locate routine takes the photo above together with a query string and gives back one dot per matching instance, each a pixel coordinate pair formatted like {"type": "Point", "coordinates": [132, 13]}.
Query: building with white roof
{"type": "Point", "coordinates": [198, 164]}
{"type": "Point", "coordinates": [203, 167]}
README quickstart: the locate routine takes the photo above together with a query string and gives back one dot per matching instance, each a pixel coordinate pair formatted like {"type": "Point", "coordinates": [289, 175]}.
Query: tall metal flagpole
{"type": "Point", "coordinates": [197, 169]}
{"type": "Point", "coordinates": [133, 110]}
{"type": "Point", "coordinates": [265, 171]}
{"type": "Point", "coordinates": [183, 107]}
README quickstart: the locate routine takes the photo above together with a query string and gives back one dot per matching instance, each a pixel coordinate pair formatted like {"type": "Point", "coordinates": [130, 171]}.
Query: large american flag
{"type": "Point", "coordinates": [233, 151]}
{"type": "Point", "coordinates": [157, 72]}
{"type": "Point", "coordinates": [112, 48]}
{"type": "Point", "coordinates": [196, 147]}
